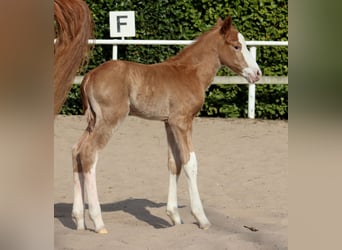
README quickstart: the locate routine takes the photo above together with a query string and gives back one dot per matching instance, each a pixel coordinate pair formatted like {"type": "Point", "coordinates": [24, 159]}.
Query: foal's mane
{"type": "Point", "coordinates": [198, 42]}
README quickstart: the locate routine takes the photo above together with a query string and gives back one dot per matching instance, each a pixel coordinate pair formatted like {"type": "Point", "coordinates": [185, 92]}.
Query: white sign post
{"type": "Point", "coordinates": [121, 24]}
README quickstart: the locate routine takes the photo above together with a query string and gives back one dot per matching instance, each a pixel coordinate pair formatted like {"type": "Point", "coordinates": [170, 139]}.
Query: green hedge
{"type": "Point", "coordinates": [185, 20]}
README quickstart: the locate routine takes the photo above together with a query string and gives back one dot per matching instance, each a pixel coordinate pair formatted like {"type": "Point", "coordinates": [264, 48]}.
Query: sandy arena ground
{"type": "Point", "coordinates": [243, 169]}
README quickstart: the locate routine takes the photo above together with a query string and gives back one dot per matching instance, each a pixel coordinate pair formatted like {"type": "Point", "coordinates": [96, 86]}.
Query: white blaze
{"type": "Point", "coordinates": [252, 73]}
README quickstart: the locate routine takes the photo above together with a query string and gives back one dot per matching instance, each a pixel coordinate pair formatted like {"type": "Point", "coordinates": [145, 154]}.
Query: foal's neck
{"type": "Point", "coordinates": [202, 56]}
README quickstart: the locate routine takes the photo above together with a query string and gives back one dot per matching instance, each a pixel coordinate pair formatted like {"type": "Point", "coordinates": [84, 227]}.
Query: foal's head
{"type": "Point", "coordinates": [233, 52]}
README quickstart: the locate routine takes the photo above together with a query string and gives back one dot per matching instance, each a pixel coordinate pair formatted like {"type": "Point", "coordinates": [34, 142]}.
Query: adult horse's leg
{"type": "Point", "coordinates": [175, 167]}
{"type": "Point", "coordinates": [182, 134]}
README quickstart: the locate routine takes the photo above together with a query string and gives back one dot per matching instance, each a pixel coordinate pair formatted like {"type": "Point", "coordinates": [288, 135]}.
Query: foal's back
{"type": "Point", "coordinates": [155, 91]}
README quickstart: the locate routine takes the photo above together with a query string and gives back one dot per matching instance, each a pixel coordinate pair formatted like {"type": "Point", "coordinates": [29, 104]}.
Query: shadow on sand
{"type": "Point", "coordinates": [265, 236]}
{"type": "Point", "coordinates": [135, 207]}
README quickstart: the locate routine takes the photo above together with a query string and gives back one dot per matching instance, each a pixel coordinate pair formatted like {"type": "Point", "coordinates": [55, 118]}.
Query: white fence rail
{"type": "Point", "coordinates": [218, 79]}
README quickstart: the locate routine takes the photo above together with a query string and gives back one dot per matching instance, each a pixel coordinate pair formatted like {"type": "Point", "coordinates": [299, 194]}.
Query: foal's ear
{"type": "Point", "coordinates": [219, 22]}
{"type": "Point", "coordinates": [227, 24]}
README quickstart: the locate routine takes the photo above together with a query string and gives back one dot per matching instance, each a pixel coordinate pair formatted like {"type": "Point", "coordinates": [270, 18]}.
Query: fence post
{"type": "Point", "coordinates": [115, 52]}
{"type": "Point", "coordinates": [251, 91]}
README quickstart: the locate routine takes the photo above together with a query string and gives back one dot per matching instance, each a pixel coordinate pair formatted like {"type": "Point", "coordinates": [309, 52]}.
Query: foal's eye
{"type": "Point", "coordinates": [236, 47]}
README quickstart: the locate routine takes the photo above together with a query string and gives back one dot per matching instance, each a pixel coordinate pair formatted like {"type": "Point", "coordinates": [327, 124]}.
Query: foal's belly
{"type": "Point", "coordinates": [150, 110]}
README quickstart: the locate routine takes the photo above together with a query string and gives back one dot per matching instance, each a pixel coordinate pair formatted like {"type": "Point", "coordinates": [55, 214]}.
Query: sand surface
{"type": "Point", "coordinates": [242, 179]}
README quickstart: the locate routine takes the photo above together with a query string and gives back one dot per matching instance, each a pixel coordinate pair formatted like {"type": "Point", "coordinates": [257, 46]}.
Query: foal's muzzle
{"type": "Point", "coordinates": [252, 75]}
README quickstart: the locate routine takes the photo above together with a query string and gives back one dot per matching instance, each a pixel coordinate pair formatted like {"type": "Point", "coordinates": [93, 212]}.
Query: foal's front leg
{"type": "Point", "coordinates": [190, 169]}
{"type": "Point", "coordinates": [179, 139]}
{"type": "Point", "coordinates": [172, 203]}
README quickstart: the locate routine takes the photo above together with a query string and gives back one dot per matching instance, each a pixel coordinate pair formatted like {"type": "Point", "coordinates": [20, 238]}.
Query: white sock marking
{"type": "Point", "coordinates": [78, 205]}
{"type": "Point", "coordinates": [93, 201]}
{"type": "Point", "coordinates": [190, 169]}
{"type": "Point", "coordinates": [172, 203]}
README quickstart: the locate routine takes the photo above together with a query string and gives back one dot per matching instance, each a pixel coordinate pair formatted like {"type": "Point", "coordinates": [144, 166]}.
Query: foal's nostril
{"type": "Point", "coordinates": [258, 72]}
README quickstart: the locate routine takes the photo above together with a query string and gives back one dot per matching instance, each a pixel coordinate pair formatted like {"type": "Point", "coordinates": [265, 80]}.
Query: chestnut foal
{"type": "Point", "coordinates": [172, 92]}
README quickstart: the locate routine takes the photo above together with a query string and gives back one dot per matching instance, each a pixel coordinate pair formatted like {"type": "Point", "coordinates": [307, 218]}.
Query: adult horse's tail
{"type": "Point", "coordinates": [74, 27]}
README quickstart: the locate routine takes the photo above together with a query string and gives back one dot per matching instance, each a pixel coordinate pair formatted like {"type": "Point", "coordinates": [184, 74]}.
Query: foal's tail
{"type": "Point", "coordinates": [90, 106]}
{"type": "Point", "coordinates": [74, 26]}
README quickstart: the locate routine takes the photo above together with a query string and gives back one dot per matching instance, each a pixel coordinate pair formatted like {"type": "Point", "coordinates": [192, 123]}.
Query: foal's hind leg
{"type": "Point", "coordinates": [85, 155]}
{"type": "Point", "coordinates": [78, 204]}
{"type": "Point", "coordinates": [184, 152]}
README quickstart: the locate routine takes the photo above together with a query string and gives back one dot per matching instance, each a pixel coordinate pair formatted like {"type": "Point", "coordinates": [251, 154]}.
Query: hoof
{"type": "Point", "coordinates": [175, 218]}
{"type": "Point", "coordinates": [102, 231]}
{"type": "Point", "coordinates": [205, 226]}
{"type": "Point", "coordinates": [205, 223]}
